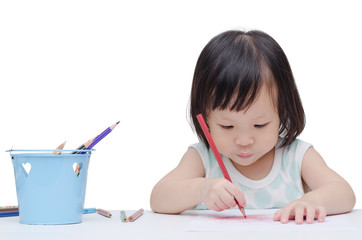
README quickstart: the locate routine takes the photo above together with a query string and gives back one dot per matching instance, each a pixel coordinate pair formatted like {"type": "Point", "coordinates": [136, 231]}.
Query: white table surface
{"type": "Point", "coordinates": [157, 226]}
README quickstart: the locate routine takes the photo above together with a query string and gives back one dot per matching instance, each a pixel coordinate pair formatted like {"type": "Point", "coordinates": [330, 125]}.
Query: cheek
{"type": "Point", "coordinates": [271, 135]}
{"type": "Point", "coordinates": [270, 132]}
{"type": "Point", "coordinates": [221, 140]}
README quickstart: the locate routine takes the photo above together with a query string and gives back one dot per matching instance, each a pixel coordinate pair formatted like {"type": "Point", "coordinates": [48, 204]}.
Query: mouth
{"type": "Point", "coordinates": [245, 155]}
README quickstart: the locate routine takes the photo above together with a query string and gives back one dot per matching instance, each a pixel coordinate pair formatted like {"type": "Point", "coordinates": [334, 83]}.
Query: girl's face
{"type": "Point", "coordinates": [246, 136]}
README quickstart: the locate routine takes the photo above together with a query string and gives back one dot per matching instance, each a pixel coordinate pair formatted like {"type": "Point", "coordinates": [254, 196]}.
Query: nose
{"type": "Point", "coordinates": [244, 139]}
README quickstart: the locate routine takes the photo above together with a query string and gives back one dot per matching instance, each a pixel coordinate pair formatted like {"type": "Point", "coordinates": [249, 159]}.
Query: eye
{"type": "Point", "coordinates": [260, 125]}
{"type": "Point", "coordinates": [227, 126]}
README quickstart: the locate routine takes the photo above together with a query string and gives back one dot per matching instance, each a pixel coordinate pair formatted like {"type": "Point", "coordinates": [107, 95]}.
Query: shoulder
{"type": "Point", "coordinates": [202, 150]}
{"type": "Point", "coordinates": [296, 150]}
{"type": "Point", "coordinates": [207, 156]}
{"type": "Point", "coordinates": [194, 153]}
{"type": "Point", "coordinates": [297, 146]}
{"type": "Point", "coordinates": [200, 147]}
{"type": "Point", "coordinates": [292, 155]}
{"type": "Point", "coordinates": [190, 166]}
{"type": "Point", "coordinates": [313, 159]}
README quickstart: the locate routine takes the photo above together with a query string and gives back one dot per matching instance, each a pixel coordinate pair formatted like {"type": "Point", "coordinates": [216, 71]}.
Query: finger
{"type": "Point", "coordinates": [310, 215]}
{"type": "Point", "coordinates": [214, 207]}
{"type": "Point", "coordinates": [277, 215]}
{"type": "Point", "coordinates": [237, 193]}
{"type": "Point", "coordinates": [220, 205]}
{"type": "Point", "coordinates": [228, 200]}
{"type": "Point", "coordinates": [285, 215]}
{"type": "Point", "coordinates": [219, 202]}
{"type": "Point", "coordinates": [299, 214]}
{"type": "Point", "coordinates": [322, 213]}
{"type": "Point", "coordinates": [211, 203]}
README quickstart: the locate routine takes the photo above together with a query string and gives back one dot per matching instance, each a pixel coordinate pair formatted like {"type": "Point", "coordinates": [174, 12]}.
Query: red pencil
{"type": "Point", "coordinates": [216, 154]}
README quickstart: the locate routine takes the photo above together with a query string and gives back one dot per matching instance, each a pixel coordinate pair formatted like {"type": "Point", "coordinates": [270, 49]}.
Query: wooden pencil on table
{"type": "Point", "coordinates": [104, 213]}
{"type": "Point", "coordinates": [124, 216]}
{"type": "Point", "coordinates": [135, 215]}
{"type": "Point", "coordinates": [9, 208]}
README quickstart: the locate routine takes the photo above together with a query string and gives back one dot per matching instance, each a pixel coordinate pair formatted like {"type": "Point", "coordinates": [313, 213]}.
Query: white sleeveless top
{"type": "Point", "coordinates": [282, 185]}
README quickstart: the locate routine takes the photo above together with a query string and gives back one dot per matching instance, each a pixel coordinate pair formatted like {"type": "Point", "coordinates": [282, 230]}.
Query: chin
{"type": "Point", "coordinates": [244, 163]}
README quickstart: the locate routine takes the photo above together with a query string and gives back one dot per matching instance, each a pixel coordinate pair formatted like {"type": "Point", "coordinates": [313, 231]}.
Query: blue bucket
{"type": "Point", "coordinates": [50, 187]}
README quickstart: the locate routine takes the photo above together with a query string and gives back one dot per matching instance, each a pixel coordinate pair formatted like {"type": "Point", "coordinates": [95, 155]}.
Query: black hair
{"type": "Point", "coordinates": [230, 72]}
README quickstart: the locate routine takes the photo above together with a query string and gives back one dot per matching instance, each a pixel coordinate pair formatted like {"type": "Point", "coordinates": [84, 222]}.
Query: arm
{"type": "Point", "coordinates": [185, 187]}
{"type": "Point", "coordinates": [330, 193]}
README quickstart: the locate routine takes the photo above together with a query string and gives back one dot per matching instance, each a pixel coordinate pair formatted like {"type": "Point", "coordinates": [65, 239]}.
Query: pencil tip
{"type": "Point", "coordinates": [60, 147]}
{"type": "Point", "coordinates": [117, 122]}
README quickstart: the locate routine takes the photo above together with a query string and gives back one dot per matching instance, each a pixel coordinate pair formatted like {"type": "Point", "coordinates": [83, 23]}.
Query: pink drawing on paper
{"type": "Point", "coordinates": [240, 219]}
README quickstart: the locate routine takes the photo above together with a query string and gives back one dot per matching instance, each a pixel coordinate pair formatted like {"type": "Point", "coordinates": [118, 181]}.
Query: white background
{"type": "Point", "coordinates": [69, 69]}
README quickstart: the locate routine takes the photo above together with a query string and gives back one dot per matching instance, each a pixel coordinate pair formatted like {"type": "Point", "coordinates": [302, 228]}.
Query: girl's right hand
{"type": "Point", "coordinates": [220, 194]}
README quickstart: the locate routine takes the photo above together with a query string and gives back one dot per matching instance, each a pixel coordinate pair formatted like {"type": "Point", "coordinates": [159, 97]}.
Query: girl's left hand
{"type": "Point", "coordinates": [299, 209]}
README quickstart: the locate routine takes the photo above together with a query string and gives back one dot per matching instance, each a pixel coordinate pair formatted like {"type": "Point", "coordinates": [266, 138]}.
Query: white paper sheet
{"type": "Point", "coordinates": [261, 220]}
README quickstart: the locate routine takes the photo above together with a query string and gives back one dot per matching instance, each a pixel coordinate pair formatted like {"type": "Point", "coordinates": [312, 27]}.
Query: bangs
{"type": "Point", "coordinates": [241, 72]}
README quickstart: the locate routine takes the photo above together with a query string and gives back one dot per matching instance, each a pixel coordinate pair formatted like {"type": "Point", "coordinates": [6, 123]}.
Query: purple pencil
{"type": "Point", "coordinates": [100, 137]}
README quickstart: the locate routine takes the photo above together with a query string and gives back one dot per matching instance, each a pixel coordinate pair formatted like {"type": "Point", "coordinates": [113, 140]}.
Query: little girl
{"type": "Point", "coordinates": [244, 87]}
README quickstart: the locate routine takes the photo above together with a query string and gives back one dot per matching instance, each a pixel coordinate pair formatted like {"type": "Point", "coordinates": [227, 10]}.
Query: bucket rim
{"type": "Point", "coordinates": [49, 150]}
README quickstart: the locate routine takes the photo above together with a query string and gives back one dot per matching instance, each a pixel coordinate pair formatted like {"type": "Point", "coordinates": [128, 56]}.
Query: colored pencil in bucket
{"type": "Point", "coordinates": [60, 147]}
{"type": "Point", "coordinates": [91, 143]}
